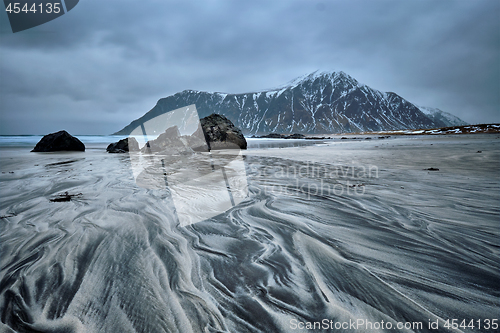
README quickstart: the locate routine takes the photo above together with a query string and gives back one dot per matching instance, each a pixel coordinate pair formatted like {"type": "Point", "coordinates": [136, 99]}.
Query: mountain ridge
{"type": "Point", "coordinates": [445, 117]}
{"type": "Point", "coordinates": [320, 102]}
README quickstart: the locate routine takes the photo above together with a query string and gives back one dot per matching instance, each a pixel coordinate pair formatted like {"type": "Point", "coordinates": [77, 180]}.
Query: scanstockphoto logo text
{"type": "Point", "coordinates": [27, 14]}
{"type": "Point", "coordinates": [314, 179]}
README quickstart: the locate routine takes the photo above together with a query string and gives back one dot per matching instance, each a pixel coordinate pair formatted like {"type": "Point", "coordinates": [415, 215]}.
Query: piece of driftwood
{"type": "Point", "coordinates": [65, 197]}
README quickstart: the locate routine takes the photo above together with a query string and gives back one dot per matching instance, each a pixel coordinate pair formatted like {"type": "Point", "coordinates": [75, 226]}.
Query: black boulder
{"type": "Point", "coordinates": [123, 146]}
{"type": "Point", "coordinates": [59, 141]}
{"type": "Point", "coordinates": [220, 133]}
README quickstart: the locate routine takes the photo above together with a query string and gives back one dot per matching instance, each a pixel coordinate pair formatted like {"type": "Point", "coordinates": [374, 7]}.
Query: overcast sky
{"type": "Point", "coordinates": [106, 63]}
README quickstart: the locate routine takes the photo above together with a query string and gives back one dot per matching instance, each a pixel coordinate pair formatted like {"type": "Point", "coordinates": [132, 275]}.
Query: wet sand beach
{"type": "Point", "coordinates": [403, 231]}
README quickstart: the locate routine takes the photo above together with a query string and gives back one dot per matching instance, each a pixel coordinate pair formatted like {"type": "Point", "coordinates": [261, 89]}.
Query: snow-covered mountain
{"type": "Point", "coordinates": [317, 103]}
{"type": "Point", "coordinates": [444, 117]}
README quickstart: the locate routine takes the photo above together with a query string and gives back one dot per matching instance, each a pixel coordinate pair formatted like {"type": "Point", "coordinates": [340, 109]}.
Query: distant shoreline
{"type": "Point", "coordinates": [464, 129]}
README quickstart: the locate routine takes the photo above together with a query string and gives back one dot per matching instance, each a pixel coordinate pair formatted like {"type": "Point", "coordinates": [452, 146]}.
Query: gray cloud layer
{"type": "Point", "coordinates": [106, 63]}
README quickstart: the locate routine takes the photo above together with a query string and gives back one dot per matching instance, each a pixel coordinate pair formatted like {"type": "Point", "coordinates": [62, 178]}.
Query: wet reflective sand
{"type": "Point", "coordinates": [343, 231]}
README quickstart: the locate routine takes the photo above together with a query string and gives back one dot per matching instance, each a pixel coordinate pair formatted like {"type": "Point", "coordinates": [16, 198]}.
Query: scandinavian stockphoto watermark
{"type": "Point", "coordinates": [26, 14]}
{"type": "Point", "coordinates": [358, 324]}
{"type": "Point", "coordinates": [315, 179]}
{"type": "Point", "coordinates": [170, 152]}
{"type": "Point", "coordinates": [370, 325]}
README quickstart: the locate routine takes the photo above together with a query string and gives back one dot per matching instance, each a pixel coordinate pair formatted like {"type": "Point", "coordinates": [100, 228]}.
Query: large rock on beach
{"type": "Point", "coordinates": [220, 133]}
{"type": "Point", "coordinates": [215, 132]}
{"type": "Point", "coordinates": [59, 141]}
{"type": "Point", "coordinates": [123, 146]}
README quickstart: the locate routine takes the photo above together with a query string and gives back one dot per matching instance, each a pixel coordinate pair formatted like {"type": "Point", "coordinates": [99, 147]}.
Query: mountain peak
{"type": "Point", "coordinates": [319, 102]}
{"type": "Point", "coordinates": [332, 76]}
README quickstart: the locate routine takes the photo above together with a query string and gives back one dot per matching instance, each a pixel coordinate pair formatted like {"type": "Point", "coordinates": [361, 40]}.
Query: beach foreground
{"type": "Point", "coordinates": [397, 234]}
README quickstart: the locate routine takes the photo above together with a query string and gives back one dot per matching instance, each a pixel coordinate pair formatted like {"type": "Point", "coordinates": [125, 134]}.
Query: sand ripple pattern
{"type": "Point", "coordinates": [115, 259]}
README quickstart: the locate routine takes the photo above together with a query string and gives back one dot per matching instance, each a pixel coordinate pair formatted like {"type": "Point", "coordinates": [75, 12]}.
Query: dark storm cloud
{"type": "Point", "coordinates": [106, 63]}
